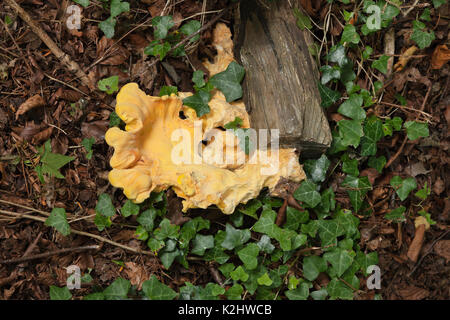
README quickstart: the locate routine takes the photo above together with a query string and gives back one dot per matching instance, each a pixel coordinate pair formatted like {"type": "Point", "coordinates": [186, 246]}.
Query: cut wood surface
{"type": "Point", "coordinates": [280, 86]}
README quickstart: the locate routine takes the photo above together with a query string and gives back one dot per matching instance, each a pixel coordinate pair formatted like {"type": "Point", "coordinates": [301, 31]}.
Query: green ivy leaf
{"type": "Point", "coordinates": [235, 237]}
{"type": "Point", "coordinates": [319, 294]}
{"type": "Point", "coordinates": [294, 218]}
{"type": "Point", "coordinates": [118, 7]}
{"type": "Point", "coordinates": [350, 132]}
{"type": "Point", "coordinates": [52, 162]}
{"type": "Point", "coordinates": [416, 130]}
{"type": "Point", "coordinates": [367, 52]}
{"type": "Point", "coordinates": [301, 293]}
{"type": "Point", "coordinates": [248, 256]}
{"type": "Point", "coordinates": [366, 260]}
{"type": "Point", "coordinates": [161, 26]}
{"type": "Point", "coordinates": [109, 85]}
{"type": "Point", "coordinates": [266, 223]}
{"type": "Point", "coordinates": [239, 274]}
{"type": "Point", "coordinates": [166, 230]}
{"type": "Point", "coordinates": [94, 296]}
{"type": "Point", "coordinates": [421, 37]}
{"type": "Point", "coordinates": [107, 27]}
{"type": "Point", "coordinates": [190, 28]}
{"type": "Point", "coordinates": [147, 219]}
{"type": "Point", "coordinates": [358, 187]}
{"type": "Point", "coordinates": [141, 233]}
{"type": "Point", "coordinates": [317, 169]}
{"type": "Point", "coordinates": [84, 3]}
{"type": "Point", "coordinates": [105, 206]}
{"type": "Point", "coordinates": [114, 120]}
{"type": "Point", "coordinates": [118, 290]}
{"type": "Point", "coordinates": [155, 290]}
{"type": "Point", "coordinates": [167, 91]}
{"type": "Point", "coordinates": [129, 208]}
{"type": "Point", "coordinates": [250, 208]}
{"type": "Point", "coordinates": [198, 102]}
{"type": "Point", "coordinates": [229, 81]}
{"type": "Point", "coordinates": [265, 280]}
{"type": "Point", "coordinates": [216, 254]}
{"type": "Point", "coordinates": [352, 108]}
{"type": "Point", "coordinates": [201, 243]}
{"type": "Point", "coordinates": [235, 124]}
{"type": "Point", "coordinates": [198, 79]}
{"type": "Point", "coordinates": [329, 230]}
{"type": "Point", "coordinates": [338, 290]}
{"type": "Point", "coordinates": [337, 55]}
{"type": "Point", "coordinates": [312, 266]}
{"type": "Point", "coordinates": [438, 3]}
{"type": "Point", "coordinates": [377, 163]}
{"type": "Point", "coordinates": [425, 15]}
{"type": "Point", "coordinates": [157, 49]}
{"type": "Point", "coordinates": [396, 215]}
{"type": "Point", "coordinates": [307, 193]}
{"type": "Point", "coordinates": [235, 292]}
{"type": "Point", "coordinates": [350, 35]}
{"type": "Point", "coordinates": [373, 132]}
{"type": "Point", "coordinates": [349, 166]}
{"type": "Point", "coordinates": [329, 73]}
{"type": "Point", "coordinates": [87, 143]}
{"type": "Point", "coordinates": [381, 64]}
{"type": "Point", "coordinates": [340, 259]}
{"type": "Point", "coordinates": [101, 221]}
{"type": "Point", "coordinates": [57, 293]}
{"type": "Point", "coordinates": [58, 220]}
{"type": "Point", "coordinates": [328, 96]}
{"type": "Point", "coordinates": [403, 187]}
{"type": "Point", "coordinates": [303, 20]}
{"type": "Point", "coordinates": [423, 193]}
{"type": "Point", "coordinates": [265, 244]}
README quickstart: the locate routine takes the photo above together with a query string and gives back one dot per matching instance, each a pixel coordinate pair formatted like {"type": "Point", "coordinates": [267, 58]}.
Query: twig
{"type": "Point", "coordinates": [395, 156]}
{"type": "Point", "coordinates": [25, 207]}
{"type": "Point", "coordinates": [65, 59]}
{"type": "Point", "coordinates": [49, 254]}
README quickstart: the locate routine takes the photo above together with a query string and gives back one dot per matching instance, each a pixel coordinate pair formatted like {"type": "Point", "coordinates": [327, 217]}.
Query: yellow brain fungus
{"type": "Point", "coordinates": [160, 150]}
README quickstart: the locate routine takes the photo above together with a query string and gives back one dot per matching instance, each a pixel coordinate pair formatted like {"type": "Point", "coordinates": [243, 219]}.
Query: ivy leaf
{"type": "Point", "coordinates": [141, 233]}
{"type": "Point", "coordinates": [350, 132]}
{"type": "Point", "coordinates": [377, 163]}
{"type": "Point", "coordinates": [396, 215]}
{"type": "Point", "coordinates": [265, 280]}
{"type": "Point", "coordinates": [118, 7]}
{"type": "Point", "coordinates": [107, 27]}
{"type": "Point", "coordinates": [84, 3]}
{"type": "Point", "coordinates": [367, 52]}
{"type": "Point", "coordinates": [421, 37]}
{"type": "Point", "coordinates": [301, 293]}
{"type": "Point", "coordinates": [319, 294]}
{"type": "Point", "coordinates": [329, 230]}
{"type": "Point", "coordinates": [198, 102]}
{"type": "Point", "coordinates": [198, 79]}
{"type": "Point", "coordinates": [307, 193]}
{"type": "Point", "coordinates": [438, 3]}
{"type": "Point", "coordinates": [381, 64]}
{"type": "Point", "coordinates": [155, 245]}
{"type": "Point", "coordinates": [229, 81]}
{"type": "Point", "coordinates": [235, 292]}
{"type": "Point", "coordinates": [338, 290]}
{"type": "Point", "coordinates": [352, 108]}
{"type": "Point", "coordinates": [350, 35]}
{"type": "Point", "coordinates": [366, 260]}
{"type": "Point", "coordinates": [94, 296]}
{"type": "Point", "coordinates": [373, 132]}
{"type": "Point", "coordinates": [265, 244]}
{"type": "Point", "coordinates": [337, 55]}
{"type": "Point", "coordinates": [312, 266]}
{"type": "Point", "coordinates": [129, 208]}
{"type": "Point", "coordinates": [340, 259]}
{"type": "Point", "coordinates": [317, 169]}
{"type": "Point", "coordinates": [349, 166]}
{"type": "Point", "coordinates": [161, 26]}
{"type": "Point", "coordinates": [118, 290]}
{"type": "Point", "coordinates": [105, 206]}
{"type": "Point", "coordinates": [166, 230]}
{"type": "Point", "coordinates": [109, 85]}
{"type": "Point", "coordinates": [239, 274]}
{"type": "Point", "coordinates": [358, 187]}
{"type": "Point", "coordinates": [266, 223]}
{"type": "Point", "coordinates": [425, 15]}
{"type": "Point", "coordinates": [58, 220]}
{"type": "Point", "coordinates": [251, 207]}
{"type": "Point", "coordinates": [235, 124]}
{"type": "Point", "coordinates": [157, 49]}
{"type": "Point", "coordinates": [101, 221]}
{"type": "Point", "coordinates": [294, 218]}
{"type": "Point", "coordinates": [57, 293]}
{"type": "Point", "coordinates": [329, 73]}
{"type": "Point", "coordinates": [403, 187]}
{"type": "Point", "coordinates": [155, 290]}
{"type": "Point", "coordinates": [415, 130]}
{"type": "Point", "coordinates": [328, 96]}
{"type": "Point", "coordinates": [114, 120]}
{"type": "Point", "coordinates": [423, 193]}
{"type": "Point", "coordinates": [248, 256]}
{"type": "Point", "coordinates": [201, 243]}
{"type": "Point", "coordinates": [147, 219]}
{"type": "Point", "coordinates": [303, 20]}
{"type": "Point", "coordinates": [235, 237]}
{"type": "Point", "coordinates": [87, 144]}
{"type": "Point", "coordinates": [190, 28]}
{"type": "Point", "coordinates": [167, 91]}
{"type": "Point", "coordinates": [216, 254]}
{"type": "Point", "coordinates": [52, 162]}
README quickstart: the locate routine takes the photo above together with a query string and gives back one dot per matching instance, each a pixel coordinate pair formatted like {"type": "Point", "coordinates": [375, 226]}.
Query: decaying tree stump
{"type": "Point", "coordinates": [280, 86]}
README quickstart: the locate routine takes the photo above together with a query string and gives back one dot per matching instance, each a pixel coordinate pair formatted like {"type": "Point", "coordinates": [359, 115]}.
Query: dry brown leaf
{"type": "Point", "coordinates": [413, 293]}
{"type": "Point", "coordinates": [33, 102]}
{"type": "Point", "coordinates": [136, 273]}
{"type": "Point", "coordinates": [439, 186]}
{"type": "Point", "coordinates": [441, 55]}
{"type": "Point", "coordinates": [95, 129]}
{"type": "Point", "coordinates": [404, 58]}
{"type": "Point", "coordinates": [442, 248]}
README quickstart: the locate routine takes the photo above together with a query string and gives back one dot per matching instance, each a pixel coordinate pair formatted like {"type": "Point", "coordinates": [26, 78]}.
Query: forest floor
{"type": "Point", "coordinates": [65, 111]}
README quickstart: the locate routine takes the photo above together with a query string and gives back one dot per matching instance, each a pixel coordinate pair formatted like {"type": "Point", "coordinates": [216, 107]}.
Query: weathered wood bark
{"type": "Point", "coordinates": [280, 86]}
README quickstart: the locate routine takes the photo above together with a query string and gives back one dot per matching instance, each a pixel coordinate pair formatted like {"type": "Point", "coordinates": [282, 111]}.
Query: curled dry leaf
{"type": "Point", "coordinates": [404, 58]}
{"type": "Point", "coordinates": [33, 102]}
{"type": "Point", "coordinates": [441, 56]}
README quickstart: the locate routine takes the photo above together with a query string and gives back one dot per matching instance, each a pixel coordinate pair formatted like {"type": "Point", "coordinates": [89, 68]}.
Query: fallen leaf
{"type": "Point", "coordinates": [33, 102]}
{"type": "Point", "coordinates": [404, 58]}
{"type": "Point", "coordinates": [441, 55]}
{"type": "Point", "coordinates": [416, 169]}
{"type": "Point", "coordinates": [136, 273]}
{"type": "Point", "coordinates": [95, 129]}
{"type": "Point", "coordinates": [439, 186]}
{"type": "Point", "coordinates": [442, 248]}
{"type": "Point", "coordinates": [413, 293]}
